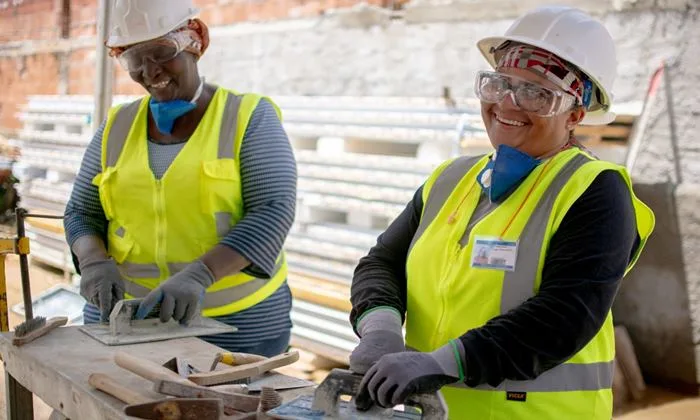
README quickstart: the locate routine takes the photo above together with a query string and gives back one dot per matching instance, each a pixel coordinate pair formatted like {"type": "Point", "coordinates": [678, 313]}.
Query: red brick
{"type": "Point", "coordinates": [31, 19]}
{"type": "Point", "coordinates": [35, 75]}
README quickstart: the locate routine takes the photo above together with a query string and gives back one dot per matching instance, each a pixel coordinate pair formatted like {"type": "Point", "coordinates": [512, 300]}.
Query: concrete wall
{"type": "Point", "coordinates": [369, 53]}
{"type": "Point", "coordinates": [653, 299]}
{"type": "Point", "coordinates": [656, 163]}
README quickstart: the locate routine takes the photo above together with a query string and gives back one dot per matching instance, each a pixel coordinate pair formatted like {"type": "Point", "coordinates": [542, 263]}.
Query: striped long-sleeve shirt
{"type": "Point", "coordinates": [268, 176]}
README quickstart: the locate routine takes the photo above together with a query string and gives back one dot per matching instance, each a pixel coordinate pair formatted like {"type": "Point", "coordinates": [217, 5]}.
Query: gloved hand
{"type": "Point", "coordinates": [399, 375]}
{"type": "Point", "coordinates": [102, 285]}
{"type": "Point", "coordinates": [380, 334]}
{"type": "Point", "coordinates": [180, 295]}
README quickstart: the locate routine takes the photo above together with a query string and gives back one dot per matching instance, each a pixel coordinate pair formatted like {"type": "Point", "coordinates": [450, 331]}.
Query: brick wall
{"type": "Point", "coordinates": [30, 75]}
{"type": "Point", "coordinates": [27, 19]}
{"type": "Point", "coordinates": [73, 72]}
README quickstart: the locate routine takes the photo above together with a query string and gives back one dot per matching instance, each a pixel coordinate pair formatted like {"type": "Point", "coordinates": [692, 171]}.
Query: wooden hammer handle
{"type": "Point", "coordinates": [244, 371]}
{"type": "Point", "coordinates": [145, 368]}
{"type": "Point", "coordinates": [110, 386]}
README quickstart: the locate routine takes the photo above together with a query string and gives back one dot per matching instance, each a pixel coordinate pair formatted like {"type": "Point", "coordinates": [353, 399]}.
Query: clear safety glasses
{"type": "Point", "coordinates": [159, 51]}
{"type": "Point", "coordinates": [493, 87]}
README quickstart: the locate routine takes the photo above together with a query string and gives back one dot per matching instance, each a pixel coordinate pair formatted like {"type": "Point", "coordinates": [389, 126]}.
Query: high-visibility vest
{"type": "Point", "coordinates": [158, 226]}
{"type": "Point", "coordinates": [448, 297]}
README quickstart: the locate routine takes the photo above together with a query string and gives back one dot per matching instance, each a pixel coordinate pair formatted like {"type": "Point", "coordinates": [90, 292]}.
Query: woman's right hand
{"type": "Point", "coordinates": [380, 332]}
{"type": "Point", "coordinates": [102, 285]}
{"type": "Point", "coordinates": [372, 347]}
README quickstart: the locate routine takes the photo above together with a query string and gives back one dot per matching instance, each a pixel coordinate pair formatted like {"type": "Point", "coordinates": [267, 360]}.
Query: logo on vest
{"type": "Point", "coordinates": [516, 396]}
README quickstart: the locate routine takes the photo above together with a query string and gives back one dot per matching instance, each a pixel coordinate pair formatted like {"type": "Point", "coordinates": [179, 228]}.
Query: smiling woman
{"type": "Point", "coordinates": [504, 267]}
{"type": "Point", "coordinates": [185, 196]}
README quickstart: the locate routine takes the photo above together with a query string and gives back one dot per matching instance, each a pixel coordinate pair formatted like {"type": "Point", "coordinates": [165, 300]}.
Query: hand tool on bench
{"type": "Point", "coordinates": [244, 371]}
{"type": "Point", "coordinates": [165, 382]}
{"type": "Point", "coordinates": [235, 359]}
{"type": "Point", "coordinates": [325, 403]}
{"type": "Point", "coordinates": [274, 380]}
{"type": "Point", "coordinates": [146, 368]}
{"type": "Point", "coordinates": [233, 402]}
{"type": "Point", "coordinates": [34, 328]}
{"type": "Point", "coordinates": [164, 409]}
{"type": "Point", "coordinates": [123, 328]}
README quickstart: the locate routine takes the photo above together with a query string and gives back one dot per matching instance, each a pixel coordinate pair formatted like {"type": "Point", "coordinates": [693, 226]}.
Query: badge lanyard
{"type": "Point", "coordinates": [453, 216]}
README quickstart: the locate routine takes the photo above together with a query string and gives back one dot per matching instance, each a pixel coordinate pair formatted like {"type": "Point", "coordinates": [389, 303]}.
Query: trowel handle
{"type": "Point", "coordinates": [110, 386]}
{"type": "Point", "coordinates": [145, 368]}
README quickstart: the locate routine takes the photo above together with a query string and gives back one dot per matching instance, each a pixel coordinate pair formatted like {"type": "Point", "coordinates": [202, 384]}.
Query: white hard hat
{"type": "Point", "coordinates": [573, 36]}
{"type": "Point", "coordinates": [135, 21]}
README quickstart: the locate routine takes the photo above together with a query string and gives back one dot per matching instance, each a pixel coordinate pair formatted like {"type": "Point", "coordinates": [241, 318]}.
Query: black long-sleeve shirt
{"type": "Point", "coordinates": [584, 265]}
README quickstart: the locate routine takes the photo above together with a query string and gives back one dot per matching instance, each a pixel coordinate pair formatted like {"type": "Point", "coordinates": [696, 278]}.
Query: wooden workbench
{"type": "Point", "coordinates": [56, 367]}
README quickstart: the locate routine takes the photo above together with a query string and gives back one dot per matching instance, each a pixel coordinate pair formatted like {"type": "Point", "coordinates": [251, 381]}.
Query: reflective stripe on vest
{"type": "Point", "coordinates": [116, 140]}
{"type": "Point", "coordinates": [125, 116]}
{"type": "Point", "coordinates": [211, 299]}
{"type": "Point", "coordinates": [519, 285]}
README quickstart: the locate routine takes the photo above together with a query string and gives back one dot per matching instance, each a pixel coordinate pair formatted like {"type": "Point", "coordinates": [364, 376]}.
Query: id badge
{"type": "Point", "coordinates": [494, 253]}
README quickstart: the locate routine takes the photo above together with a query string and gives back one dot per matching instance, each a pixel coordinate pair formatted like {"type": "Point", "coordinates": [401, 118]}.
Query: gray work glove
{"type": "Point", "coordinates": [102, 285]}
{"type": "Point", "coordinates": [380, 334]}
{"type": "Point", "coordinates": [397, 376]}
{"type": "Point", "coordinates": [180, 295]}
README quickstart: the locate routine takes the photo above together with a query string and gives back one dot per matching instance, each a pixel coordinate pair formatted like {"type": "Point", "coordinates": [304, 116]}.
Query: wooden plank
{"type": "Point", "coordinates": [609, 131]}
{"type": "Point", "coordinates": [625, 119]}
{"type": "Point", "coordinates": [326, 351]}
{"type": "Point", "coordinates": [321, 292]}
{"type": "Point", "coordinates": [55, 226]}
{"type": "Point", "coordinates": [56, 368]}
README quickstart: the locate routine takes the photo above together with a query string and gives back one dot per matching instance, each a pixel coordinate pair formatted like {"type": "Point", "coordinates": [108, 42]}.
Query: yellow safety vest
{"type": "Point", "coordinates": [157, 227]}
{"type": "Point", "coordinates": [447, 297]}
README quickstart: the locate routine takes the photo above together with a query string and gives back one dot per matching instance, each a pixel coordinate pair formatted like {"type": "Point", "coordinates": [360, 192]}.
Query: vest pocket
{"type": "Point", "coordinates": [120, 243]}
{"type": "Point", "coordinates": [102, 181]}
{"type": "Point", "coordinates": [220, 191]}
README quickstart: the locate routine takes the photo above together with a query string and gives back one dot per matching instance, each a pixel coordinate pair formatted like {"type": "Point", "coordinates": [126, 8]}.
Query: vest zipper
{"type": "Point", "coordinates": [160, 226]}
{"type": "Point", "coordinates": [439, 337]}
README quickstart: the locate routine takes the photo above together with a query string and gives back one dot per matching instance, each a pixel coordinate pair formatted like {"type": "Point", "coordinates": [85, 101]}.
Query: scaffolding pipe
{"type": "Point", "coordinates": [103, 79]}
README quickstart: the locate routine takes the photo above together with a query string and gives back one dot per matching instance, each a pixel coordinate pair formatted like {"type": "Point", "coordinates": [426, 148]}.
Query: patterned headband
{"type": "Point", "coordinates": [546, 64]}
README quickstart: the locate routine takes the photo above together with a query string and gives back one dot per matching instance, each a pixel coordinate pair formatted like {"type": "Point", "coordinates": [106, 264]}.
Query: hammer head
{"type": "Point", "coordinates": [178, 409]}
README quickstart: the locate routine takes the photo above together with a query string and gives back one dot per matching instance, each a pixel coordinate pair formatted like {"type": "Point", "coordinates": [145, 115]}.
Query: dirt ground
{"type": "Point", "coordinates": [659, 404]}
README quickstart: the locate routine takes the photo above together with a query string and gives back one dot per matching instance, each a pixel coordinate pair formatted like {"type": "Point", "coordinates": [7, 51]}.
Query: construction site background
{"type": "Point", "coordinates": [419, 48]}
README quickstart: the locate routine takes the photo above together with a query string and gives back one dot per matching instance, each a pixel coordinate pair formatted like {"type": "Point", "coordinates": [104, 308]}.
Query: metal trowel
{"type": "Point", "coordinates": [326, 403]}
{"type": "Point", "coordinates": [124, 329]}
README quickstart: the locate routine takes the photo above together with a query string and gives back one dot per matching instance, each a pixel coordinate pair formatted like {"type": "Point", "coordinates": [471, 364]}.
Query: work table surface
{"type": "Point", "coordinates": [56, 367]}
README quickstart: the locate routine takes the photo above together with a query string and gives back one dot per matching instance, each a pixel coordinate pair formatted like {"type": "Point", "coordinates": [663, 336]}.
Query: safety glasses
{"type": "Point", "coordinates": [492, 87]}
{"type": "Point", "coordinates": [158, 51]}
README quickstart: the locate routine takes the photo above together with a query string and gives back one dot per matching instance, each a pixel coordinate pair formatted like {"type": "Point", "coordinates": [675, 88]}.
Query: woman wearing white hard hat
{"type": "Point", "coordinates": [505, 266]}
{"type": "Point", "coordinates": [185, 196]}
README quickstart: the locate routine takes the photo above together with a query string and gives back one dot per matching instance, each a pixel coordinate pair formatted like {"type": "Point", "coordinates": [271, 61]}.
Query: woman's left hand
{"type": "Point", "coordinates": [180, 295]}
{"type": "Point", "coordinates": [397, 376]}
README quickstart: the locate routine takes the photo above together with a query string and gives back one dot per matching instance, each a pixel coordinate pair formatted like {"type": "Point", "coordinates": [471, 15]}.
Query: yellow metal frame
{"type": "Point", "coordinates": [18, 246]}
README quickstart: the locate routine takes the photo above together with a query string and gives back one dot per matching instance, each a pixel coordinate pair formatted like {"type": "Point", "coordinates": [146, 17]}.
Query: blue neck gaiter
{"type": "Point", "coordinates": [505, 171]}
{"type": "Point", "coordinates": [165, 113]}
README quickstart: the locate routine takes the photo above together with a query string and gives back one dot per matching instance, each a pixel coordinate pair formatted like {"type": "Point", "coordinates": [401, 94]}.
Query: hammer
{"type": "Point", "coordinates": [164, 409]}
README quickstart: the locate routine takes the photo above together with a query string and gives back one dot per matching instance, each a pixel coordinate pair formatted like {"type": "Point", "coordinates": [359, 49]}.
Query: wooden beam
{"type": "Point", "coordinates": [321, 292]}
{"type": "Point", "coordinates": [606, 131]}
